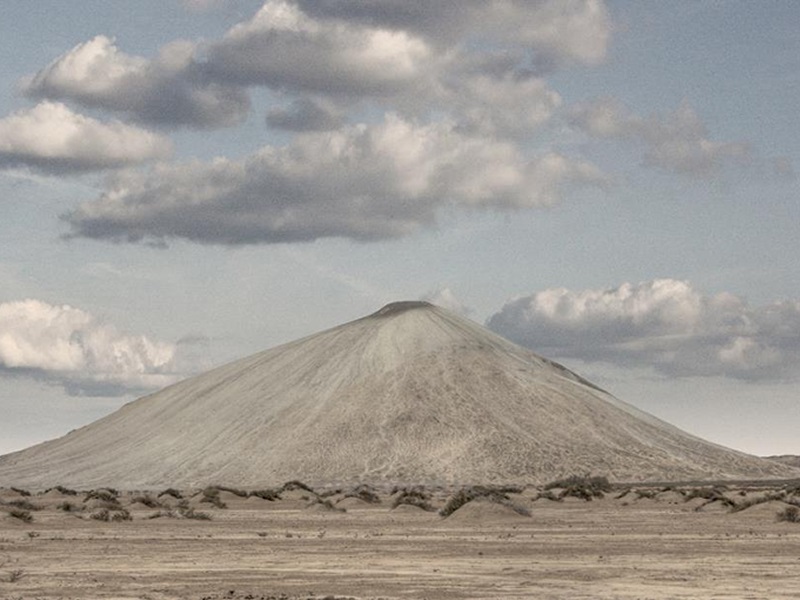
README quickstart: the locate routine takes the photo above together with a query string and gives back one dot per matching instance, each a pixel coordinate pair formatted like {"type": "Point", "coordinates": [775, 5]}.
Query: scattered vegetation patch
{"type": "Point", "coordinates": [710, 494]}
{"type": "Point", "coordinates": [211, 496]}
{"type": "Point", "coordinates": [111, 515]}
{"type": "Point", "coordinates": [790, 514]}
{"type": "Point", "coordinates": [20, 491]}
{"type": "Point", "coordinates": [266, 494]}
{"type": "Point", "coordinates": [586, 487]}
{"type": "Point", "coordinates": [69, 507]}
{"type": "Point", "coordinates": [293, 485]}
{"type": "Point", "coordinates": [365, 493]}
{"type": "Point", "coordinates": [171, 492]}
{"type": "Point", "coordinates": [146, 500]}
{"type": "Point", "coordinates": [23, 505]}
{"type": "Point", "coordinates": [21, 515]}
{"type": "Point", "coordinates": [747, 503]}
{"type": "Point", "coordinates": [63, 490]}
{"type": "Point", "coordinates": [414, 497]}
{"type": "Point", "coordinates": [234, 491]}
{"type": "Point", "coordinates": [468, 494]}
{"type": "Point", "coordinates": [103, 494]}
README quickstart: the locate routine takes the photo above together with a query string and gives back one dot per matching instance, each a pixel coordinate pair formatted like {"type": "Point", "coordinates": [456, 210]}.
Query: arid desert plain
{"type": "Point", "coordinates": [630, 541]}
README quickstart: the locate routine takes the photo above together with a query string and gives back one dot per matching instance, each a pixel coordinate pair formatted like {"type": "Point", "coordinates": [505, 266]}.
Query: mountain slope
{"type": "Point", "coordinates": [412, 393]}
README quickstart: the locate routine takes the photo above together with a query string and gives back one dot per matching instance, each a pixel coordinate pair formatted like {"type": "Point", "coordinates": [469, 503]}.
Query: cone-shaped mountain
{"type": "Point", "coordinates": [411, 393]}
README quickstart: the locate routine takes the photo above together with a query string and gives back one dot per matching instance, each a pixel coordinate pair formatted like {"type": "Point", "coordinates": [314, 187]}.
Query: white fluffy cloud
{"type": "Point", "coordinates": [70, 347]}
{"type": "Point", "coordinates": [677, 141]}
{"type": "Point", "coordinates": [361, 182]}
{"type": "Point", "coordinates": [170, 89]}
{"type": "Point", "coordinates": [663, 323]}
{"type": "Point", "coordinates": [52, 138]}
{"type": "Point", "coordinates": [551, 32]}
{"type": "Point", "coordinates": [282, 47]}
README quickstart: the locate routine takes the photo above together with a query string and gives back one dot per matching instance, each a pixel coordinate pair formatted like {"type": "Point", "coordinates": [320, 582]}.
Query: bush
{"type": "Point", "coordinates": [365, 493]}
{"type": "Point", "coordinates": [211, 496]}
{"type": "Point", "coordinates": [23, 505]}
{"type": "Point", "coordinates": [744, 504]}
{"type": "Point", "coordinates": [171, 492]}
{"type": "Point", "coordinates": [790, 514]}
{"type": "Point", "coordinates": [22, 515]}
{"type": "Point", "coordinates": [105, 495]}
{"type": "Point", "coordinates": [146, 500]}
{"type": "Point", "coordinates": [585, 487]}
{"type": "Point", "coordinates": [714, 494]}
{"type": "Point", "coordinates": [63, 490]}
{"type": "Point", "coordinates": [111, 515]}
{"type": "Point", "coordinates": [414, 497]}
{"type": "Point", "coordinates": [296, 485]}
{"type": "Point", "coordinates": [20, 491]}
{"type": "Point", "coordinates": [191, 513]}
{"type": "Point", "coordinates": [69, 507]}
{"type": "Point", "coordinates": [468, 494]}
{"type": "Point", "coordinates": [267, 494]}
{"type": "Point", "coordinates": [234, 491]}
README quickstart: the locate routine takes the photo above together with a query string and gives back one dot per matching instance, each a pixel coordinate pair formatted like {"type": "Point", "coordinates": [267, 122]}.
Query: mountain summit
{"type": "Point", "coordinates": [412, 393]}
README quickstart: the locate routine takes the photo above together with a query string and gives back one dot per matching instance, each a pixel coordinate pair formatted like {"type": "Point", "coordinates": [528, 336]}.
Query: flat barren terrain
{"type": "Point", "coordinates": [639, 542]}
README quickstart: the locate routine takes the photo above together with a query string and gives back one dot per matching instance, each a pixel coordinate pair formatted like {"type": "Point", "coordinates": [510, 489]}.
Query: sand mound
{"type": "Point", "coordinates": [484, 509]}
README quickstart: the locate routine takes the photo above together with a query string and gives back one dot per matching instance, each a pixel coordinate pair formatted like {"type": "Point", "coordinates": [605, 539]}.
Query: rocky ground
{"type": "Point", "coordinates": [685, 541]}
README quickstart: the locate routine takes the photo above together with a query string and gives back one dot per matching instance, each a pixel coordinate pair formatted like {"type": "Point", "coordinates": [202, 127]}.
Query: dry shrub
{"type": "Point", "coordinates": [111, 515]}
{"type": "Point", "coordinates": [365, 493]}
{"type": "Point", "coordinates": [790, 514]}
{"type": "Point", "coordinates": [63, 490]}
{"type": "Point", "coordinates": [20, 491]}
{"type": "Point", "coordinates": [103, 494]}
{"type": "Point", "coordinates": [146, 500]}
{"type": "Point", "coordinates": [266, 494]}
{"type": "Point", "coordinates": [23, 505]}
{"type": "Point", "coordinates": [744, 504]}
{"type": "Point", "coordinates": [586, 487]}
{"type": "Point", "coordinates": [211, 496]}
{"type": "Point", "coordinates": [22, 515]}
{"type": "Point", "coordinates": [468, 494]}
{"type": "Point", "coordinates": [67, 506]}
{"type": "Point", "coordinates": [414, 497]}
{"type": "Point", "coordinates": [171, 492]}
{"type": "Point", "coordinates": [290, 486]}
{"type": "Point", "coordinates": [234, 491]}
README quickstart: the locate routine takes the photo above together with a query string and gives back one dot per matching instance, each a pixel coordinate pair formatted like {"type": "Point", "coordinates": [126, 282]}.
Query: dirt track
{"type": "Point", "coordinates": [627, 547]}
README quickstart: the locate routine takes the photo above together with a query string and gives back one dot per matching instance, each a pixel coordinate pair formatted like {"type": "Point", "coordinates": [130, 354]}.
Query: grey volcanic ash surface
{"type": "Point", "coordinates": [412, 393]}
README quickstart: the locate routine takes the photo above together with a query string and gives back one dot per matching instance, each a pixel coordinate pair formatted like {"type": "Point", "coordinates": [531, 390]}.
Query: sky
{"type": "Point", "coordinates": [611, 184]}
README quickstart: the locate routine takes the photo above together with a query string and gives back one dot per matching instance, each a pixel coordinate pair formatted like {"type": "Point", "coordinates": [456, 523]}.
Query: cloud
{"type": "Point", "coordinates": [282, 47]}
{"type": "Point", "coordinates": [53, 139]}
{"type": "Point", "coordinates": [306, 114]}
{"type": "Point", "coordinates": [171, 89]}
{"type": "Point", "coordinates": [553, 33]}
{"type": "Point", "coordinates": [445, 298]}
{"type": "Point", "coordinates": [363, 182]}
{"type": "Point", "coordinates": [665, 324]}
{"type": "Point", "coordinates": [677, 141]}
{"type": "Point", "coordinates": [69, 347]}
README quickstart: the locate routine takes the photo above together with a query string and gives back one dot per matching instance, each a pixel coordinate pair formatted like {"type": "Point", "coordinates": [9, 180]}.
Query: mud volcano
{"type": "Point", "coordinates": [412, 393]}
